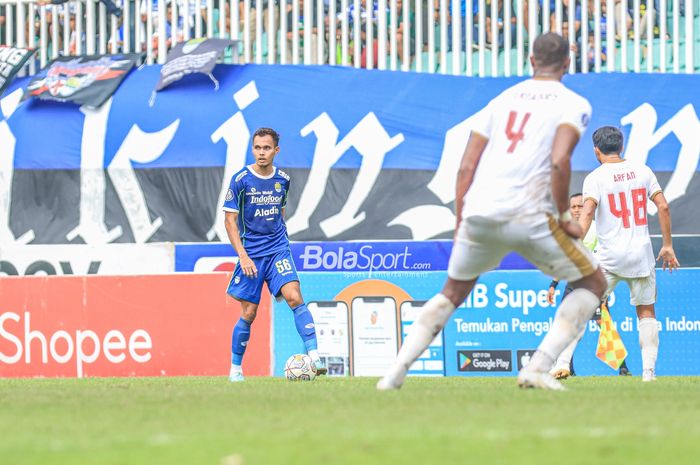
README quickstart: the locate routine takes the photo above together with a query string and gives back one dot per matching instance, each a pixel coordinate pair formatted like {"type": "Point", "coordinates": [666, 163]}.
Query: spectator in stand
{"type": "Point", "coordinates": [112, 7]}
{"type": "Point", "coordinates": [116, 42]}
{"type": "Point", "coordinates": [189, 18]}
{"type": "Point", "coordinates": [73, 38]}
{"type": "Point", "coordinates": [500, 14]}
{"type": "Point", "coordinates": [290, 33]}
{"type": "Point", "coordinates": [628, 16]}
{"type": "Point", "coordinates": [366, 14]}
{"type": "Point", "coordinates": [401, 30]}
{"type": "Point", "coordinates": [50, 45]}
{"type": "Point", "coordinates": [170, 40]}
{"type": "Point", "coordinates": [463, 22]}
{"type": "Point", "coordinates": [576, 44]}
{"type": "Point", "coordinates": [143, 24]}
{"type": "Point", "coordinates": [565, 13]}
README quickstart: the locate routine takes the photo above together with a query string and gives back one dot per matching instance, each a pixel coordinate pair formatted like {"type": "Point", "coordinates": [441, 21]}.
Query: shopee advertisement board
{"type": "Point", "coordinates": [160, 325]}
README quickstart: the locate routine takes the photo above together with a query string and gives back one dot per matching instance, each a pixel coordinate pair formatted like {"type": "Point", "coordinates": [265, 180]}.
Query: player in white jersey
{"type": "Point", "coordinates": [515, 168]}
{"type": "Point", "coordinates": [564, 367]}
{"type": "Point", "coordinates": [616, 193]}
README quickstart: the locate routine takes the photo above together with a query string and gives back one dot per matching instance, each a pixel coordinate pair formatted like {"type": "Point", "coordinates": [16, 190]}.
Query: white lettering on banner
{"type": "Point", "coordinates": [62, 346]}
{"type": "Point", "coordinates": [682, 325]}
{"type": "Point", "coordinates": [8, 105]}
{"type": "Point", "coordinates": [445, 179]}
{"type": "Point", "coordinates": [537, 327]}
{"type": "Point", "coordinates": [92, 227]}
{"type": "Point", "coordinates": [525, 299]}
{"type": "Point", "coordinates": [442, 219]}
{"type": "Point", "coordinates": [478, 297]}
{"type": "Point", "coordinates": [684, 124]}
{"type": "Point", "coordinates": [371, 141]}
{"type": "Point", "coordinates": [487, 326]}
{"type": "Point", "coordinates": [140, 147]}
{"type": "Point", "coordinates": [368, 137]}
{"type": "Point", "coordinates": [626, 325]}
{"type": "Point", "coordinates": [643, 137]}
{"type": "Point", "coordinates": [137, 146]}
{"type": "Point", "coordinates": [236, 135]}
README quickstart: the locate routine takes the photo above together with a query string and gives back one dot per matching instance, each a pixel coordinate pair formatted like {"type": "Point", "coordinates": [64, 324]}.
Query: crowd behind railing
{"type": "Point", "coordinates": [473, 37]}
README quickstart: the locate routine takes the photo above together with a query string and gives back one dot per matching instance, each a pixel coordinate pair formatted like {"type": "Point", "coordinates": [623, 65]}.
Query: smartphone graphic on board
{"type": "Point", "coordinates": [333, 335]}
{"type": "Point", "coordinates": [375, 335]}
{"type": "Point", "coordinates": [432, 361]}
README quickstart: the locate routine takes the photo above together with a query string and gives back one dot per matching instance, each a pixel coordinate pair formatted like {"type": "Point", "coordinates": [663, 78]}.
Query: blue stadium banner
{"type": "Point", "coordinates": [501, 324]}
{"type": "Point", "coordinates": [366, 162]}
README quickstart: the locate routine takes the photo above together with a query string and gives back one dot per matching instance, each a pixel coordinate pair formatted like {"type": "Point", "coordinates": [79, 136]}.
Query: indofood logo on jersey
{"type": "Point", "coordinates": [268, 199]}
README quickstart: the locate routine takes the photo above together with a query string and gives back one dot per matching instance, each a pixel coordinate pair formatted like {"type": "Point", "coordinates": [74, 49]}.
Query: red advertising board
{"type": "Point", "coordinates": [164, 325]}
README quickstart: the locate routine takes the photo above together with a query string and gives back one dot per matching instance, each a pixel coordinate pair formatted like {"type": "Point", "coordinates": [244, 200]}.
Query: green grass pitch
{"type": "Point", "coordinates": [599, 420]}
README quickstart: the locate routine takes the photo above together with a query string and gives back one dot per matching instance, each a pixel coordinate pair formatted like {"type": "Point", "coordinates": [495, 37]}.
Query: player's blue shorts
{"type": "Point", "coordinates": [276, 270]}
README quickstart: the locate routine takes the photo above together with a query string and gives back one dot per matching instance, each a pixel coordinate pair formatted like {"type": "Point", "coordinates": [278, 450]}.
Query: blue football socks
{"type": "Point", "coordinates": [239, 341]}
{"type": "Point", "coordinates": [305, 326]}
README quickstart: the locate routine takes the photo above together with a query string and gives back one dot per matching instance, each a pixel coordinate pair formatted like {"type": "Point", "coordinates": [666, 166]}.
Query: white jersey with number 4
{"type": "Point", "coordinates": [513, 177]}
{"type": "Point", "coordinates": [621, 191]}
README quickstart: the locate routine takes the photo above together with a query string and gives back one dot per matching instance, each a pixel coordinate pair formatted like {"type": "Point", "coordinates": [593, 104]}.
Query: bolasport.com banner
{"type": "Point", "coordinates": [167, 325]}
{"type": "Point", "coordinates": [372, 258]}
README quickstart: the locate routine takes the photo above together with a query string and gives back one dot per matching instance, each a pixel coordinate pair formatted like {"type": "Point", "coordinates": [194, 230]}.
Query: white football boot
{"type": "Point", "coordinates": [393, 379]}
{"type": "Point", "coordinates": [539, 380]}
{"type": "Point", "coordinates": [648, 375]}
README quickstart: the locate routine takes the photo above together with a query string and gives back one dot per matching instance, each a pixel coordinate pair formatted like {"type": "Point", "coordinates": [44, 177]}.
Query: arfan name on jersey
{"type": "Point", "coordinates": [624, 176]}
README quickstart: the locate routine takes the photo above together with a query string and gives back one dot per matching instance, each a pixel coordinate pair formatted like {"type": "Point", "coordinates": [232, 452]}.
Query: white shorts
{"type": "Point", "coordinates": [642, 290]}
{"type": "Point", "coordinates": [481, 244]}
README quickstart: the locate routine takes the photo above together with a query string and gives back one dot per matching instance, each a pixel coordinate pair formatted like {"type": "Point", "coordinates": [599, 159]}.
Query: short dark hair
{"type": "Point", "coordinates": [262, 132]}
{"type": "Point", "coordinates": [577, 194]}
{"type": "Point", "coordinates": [550, 49]}
{"type": "Point", "coordinates": [608, 139]}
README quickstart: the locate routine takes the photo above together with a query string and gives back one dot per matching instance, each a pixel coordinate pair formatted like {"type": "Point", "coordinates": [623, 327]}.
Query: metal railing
{"type": "Point", "coordinates": [460, 37]}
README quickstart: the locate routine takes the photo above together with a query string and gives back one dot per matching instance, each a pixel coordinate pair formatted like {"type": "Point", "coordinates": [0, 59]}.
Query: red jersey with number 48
{"type": "Point", "coordinates": [514, 174]}
{"type": "Point", "coordinates": [621, 191]}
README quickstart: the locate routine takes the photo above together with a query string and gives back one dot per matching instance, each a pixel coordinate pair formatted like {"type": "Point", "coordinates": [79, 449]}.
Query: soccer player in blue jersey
{"type": "Point", "coordinates": [254, 217]}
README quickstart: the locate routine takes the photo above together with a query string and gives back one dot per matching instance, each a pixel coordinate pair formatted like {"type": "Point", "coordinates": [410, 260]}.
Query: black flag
{"type": "Point", "coordinates": [85, 80]}
{"type": "Point", "coordinates": [193, 56]}
{"type": "Point", "coordinates": [11, 61]}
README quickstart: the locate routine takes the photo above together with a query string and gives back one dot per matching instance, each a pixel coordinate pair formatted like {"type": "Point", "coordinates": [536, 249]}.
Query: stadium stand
{"type": "Point", "coordinates": [424, 35]}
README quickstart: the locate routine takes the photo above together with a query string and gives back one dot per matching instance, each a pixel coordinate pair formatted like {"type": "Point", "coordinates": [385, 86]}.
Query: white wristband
{"type": "Point", "coordinates": [565, 217]}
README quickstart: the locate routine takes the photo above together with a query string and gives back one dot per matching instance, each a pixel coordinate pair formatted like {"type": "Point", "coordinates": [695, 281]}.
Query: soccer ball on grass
{"type": "Point", "coordinates": [300, 367]}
